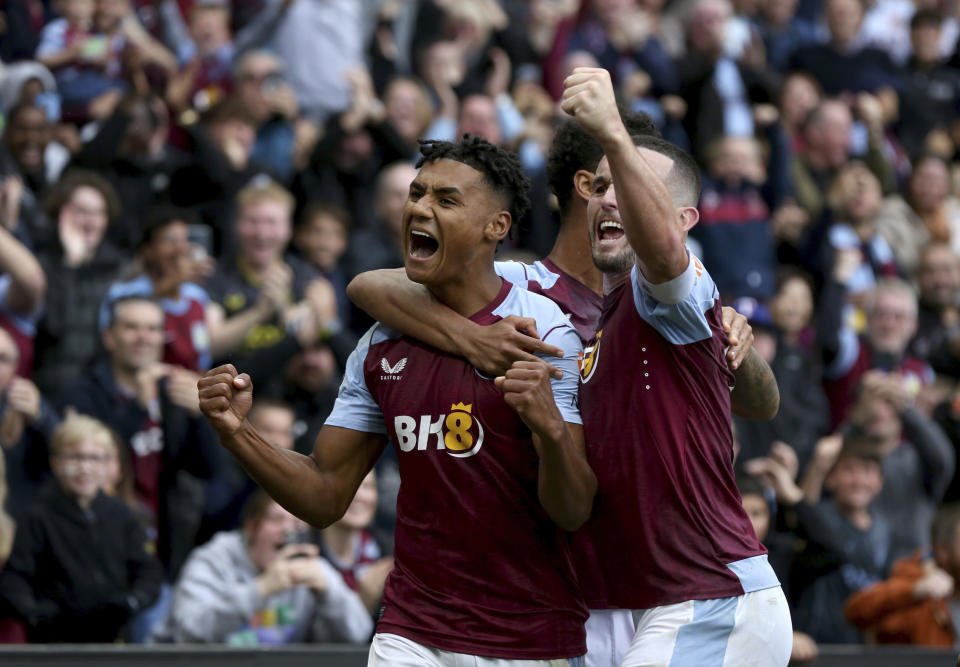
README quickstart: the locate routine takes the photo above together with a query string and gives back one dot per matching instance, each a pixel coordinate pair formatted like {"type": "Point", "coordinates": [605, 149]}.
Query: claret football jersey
{"type": "Point", "coordinates": [479, 566]}
{"type": "Point", "coordinates": [667, 524]}
{"type": "Point", "coordinates": [578, 301]}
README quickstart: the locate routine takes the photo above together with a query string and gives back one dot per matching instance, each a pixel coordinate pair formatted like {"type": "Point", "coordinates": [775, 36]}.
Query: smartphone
{"type": "Point", "coordinates": [200, 238]}
{"type": "Point", "coordinates": [94, 47]}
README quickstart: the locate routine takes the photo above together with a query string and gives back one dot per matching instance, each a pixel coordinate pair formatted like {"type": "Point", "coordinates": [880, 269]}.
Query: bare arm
{"type": "Point", "coordinates": [28, 283]}
{"type": "Point", "coordinates": [317, 488]}
{"type": "Point", "coordinates": [647, 212]}
{"type": "Point", "coordinates": [756, 395]}
{"type": "Point", "coordinates": [390, 297]}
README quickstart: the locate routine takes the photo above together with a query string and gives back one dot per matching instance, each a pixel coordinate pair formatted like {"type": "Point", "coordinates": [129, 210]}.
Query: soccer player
{"type": "Point", "coordinates": [570, 278]}
{"type": "Point", "coordinates": [492, 473]}
{"type": "Point", "coordinates": [656, 406]}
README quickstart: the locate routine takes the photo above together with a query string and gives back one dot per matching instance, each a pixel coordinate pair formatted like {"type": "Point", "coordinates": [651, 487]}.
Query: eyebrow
{"type": "Point", "coordinates": [442, 191]}
{"type": "Point", "coordinates": [599, 180]}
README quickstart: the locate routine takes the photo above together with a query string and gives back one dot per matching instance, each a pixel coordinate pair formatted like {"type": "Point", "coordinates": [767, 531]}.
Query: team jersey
{"type": "Point", "coordinates": [667, 524]}
{"type": "Point", "coordinates": [479, 566]}
{"type": "Point", "coordinates": [581, 303]}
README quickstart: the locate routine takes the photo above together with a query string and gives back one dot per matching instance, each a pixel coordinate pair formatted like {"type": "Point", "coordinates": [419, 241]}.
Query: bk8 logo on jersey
{"type": "Point", "coordinates": [459, 432]}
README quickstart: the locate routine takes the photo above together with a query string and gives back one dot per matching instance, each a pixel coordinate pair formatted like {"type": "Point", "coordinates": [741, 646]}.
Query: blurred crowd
{"type": "Point", "coordinates": [190, 182]}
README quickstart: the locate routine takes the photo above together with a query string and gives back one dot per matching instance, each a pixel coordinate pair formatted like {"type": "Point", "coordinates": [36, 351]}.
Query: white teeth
{"type": "Point", "coordinates": [419, 233]}
{"type": "Point", "coordinates": [610, 224]}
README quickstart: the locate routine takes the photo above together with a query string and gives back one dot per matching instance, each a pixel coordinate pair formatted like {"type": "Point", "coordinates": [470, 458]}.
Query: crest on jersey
{"type": "Point", "coordinates": [589, 357]}
{"type": "Point", "coordinates": [393, 370]}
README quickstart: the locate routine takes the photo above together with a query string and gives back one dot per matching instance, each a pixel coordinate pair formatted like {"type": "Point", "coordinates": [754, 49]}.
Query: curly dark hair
{"type": "Point", "coordinates": [500, 168]}
{"type": "Point", "coordinates": [574, 149]}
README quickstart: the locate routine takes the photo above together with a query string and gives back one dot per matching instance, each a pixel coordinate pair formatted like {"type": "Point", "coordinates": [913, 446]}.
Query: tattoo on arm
{"type": "Point", "coordinates": [756, 395]}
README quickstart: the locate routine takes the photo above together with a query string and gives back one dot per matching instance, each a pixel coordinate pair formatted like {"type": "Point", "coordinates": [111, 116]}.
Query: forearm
{"type": "Point", "coordinates": [28, 282]}
{"type": "Point", "coordinates": [756, 395]}
{"type": "Point", "coordinates": [647, 211]}
{"type": "Point", "coordinates": [390, 297]}
{"type": "Point", "coordinates": [295, 481]}
{"type": "Point", "coordinates": [58, 59]}
{"type": "Point", "coordinates": [566, 484]}
{"type": "Point", "coordinates": [227, 334]}
{"type": "Point", "coordinates": [934, 449]}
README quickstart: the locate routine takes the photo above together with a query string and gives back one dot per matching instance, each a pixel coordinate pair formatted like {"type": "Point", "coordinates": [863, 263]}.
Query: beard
{"type": "Point", "coordinates": [615, 264]}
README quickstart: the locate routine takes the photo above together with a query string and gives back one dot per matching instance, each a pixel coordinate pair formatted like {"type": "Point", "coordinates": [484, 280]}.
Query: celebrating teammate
{"type": "Point", "coordinates": [656, 403]}
{"type": "Point", "coordinates": [492, 472]}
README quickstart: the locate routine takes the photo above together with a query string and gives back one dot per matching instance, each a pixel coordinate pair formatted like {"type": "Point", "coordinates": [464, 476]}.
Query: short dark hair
{"type": "Point", "coordinates": [328, 209]}
{"type": "Point", "coordinates": [500, 168]}
{"type": "Point", "coordinates": [683, 180]}
{"type": "Point", "coordinates": [161, 217]}
{"type": "Point", "coordinates": [573, 149]}
{"type": "Point", "coordinates": [926, 18]}
{"type": "Point", "coordinates": [229, 109]}
{"type": "Point", "coordinates": [748, 485]}
{"type": "Point", "coordinates": [73, 179]}
{"type": "Point", "coordinates": [944, 525]}
{"type": "Point", "coordinates": [20, 107]}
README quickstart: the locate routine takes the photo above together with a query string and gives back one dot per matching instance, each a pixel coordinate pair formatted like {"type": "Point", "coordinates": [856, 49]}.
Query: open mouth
{"type": "Point", "coordinates": [422, 245]}
{"type": "Point", "coordinates": [609, 230]}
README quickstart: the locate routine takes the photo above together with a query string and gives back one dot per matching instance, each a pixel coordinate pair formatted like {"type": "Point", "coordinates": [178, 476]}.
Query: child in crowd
{"type": "Point", "coordinates": [79, 569]}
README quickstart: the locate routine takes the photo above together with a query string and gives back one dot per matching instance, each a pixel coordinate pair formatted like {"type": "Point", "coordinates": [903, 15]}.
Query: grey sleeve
{"type": "Point", "coordinates": [207, 607]}
{"type": "Point", "coordinates": [937, 458]}
{"type": "Point", "coordinates": [340, 615]}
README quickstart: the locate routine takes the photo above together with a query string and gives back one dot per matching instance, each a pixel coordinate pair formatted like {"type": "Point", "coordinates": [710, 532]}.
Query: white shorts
{"type": "Point", "coordinates": [753, 629]}
{"type": "Point", "coordinates": [609, 634]}
{"type": "Point", "coordinates": [389, 650]}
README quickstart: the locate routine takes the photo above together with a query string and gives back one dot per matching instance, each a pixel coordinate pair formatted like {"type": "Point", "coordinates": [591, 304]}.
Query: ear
{"type": "Point", "coordinates": [581, 183]}
{"type": "Point", "coordinates": [689, 216]}
{"type": "Point", "coordinates": [498, 226]}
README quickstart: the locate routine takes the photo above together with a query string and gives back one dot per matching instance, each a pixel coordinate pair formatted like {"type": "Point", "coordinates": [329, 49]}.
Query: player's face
{"type": "Point", "coordinates": [446, 223]}
{"type": "Point", "coordinates": [611, 251]}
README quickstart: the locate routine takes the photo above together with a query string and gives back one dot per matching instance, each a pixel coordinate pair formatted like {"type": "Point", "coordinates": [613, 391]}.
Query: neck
{"type": "Point", "coordinates": [126, 378]}
{"type": "Point", "coordinates": [864, 230]}
{"type": "Point", "coordinates": [859, 517]}
{"type": "Point", "coordinates": [340, 541]}
{"type": "Point", "coordinates": [612, 281]}
{"type": "Point", "coordinates": [571, 251]}
{"type": "Point", "coordinates": [470, 291]}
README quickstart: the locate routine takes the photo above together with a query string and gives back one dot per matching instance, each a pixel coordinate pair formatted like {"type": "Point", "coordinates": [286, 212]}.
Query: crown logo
{"type": "Point", "coordinates": [461, 407]}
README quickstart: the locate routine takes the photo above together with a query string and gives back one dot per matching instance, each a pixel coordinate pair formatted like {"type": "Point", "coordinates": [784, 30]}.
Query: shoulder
{"type": "Point", "coordinates": [527, 304]}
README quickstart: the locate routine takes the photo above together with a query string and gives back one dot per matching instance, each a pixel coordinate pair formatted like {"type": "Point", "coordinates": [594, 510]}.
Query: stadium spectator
{"type": "Point", "coordinates": [264, 90]}
{"type": "Point", "coordinates": [382, 246]}
{"type": "Point", "coordinates": [131, 149]}
{"type": "Point", "coordinates": [154, 409]}
{"type": "Point", "coordinates": [891, 321]}
{"type": "Point", "coordinates": [80, 266]}
{"type": "Point", "coordinates": [914, 605]}
{"type": "Point", "coordinates": [938, 282]}
{"type": "Point", "coordinates": [27, 422]}
{"type": "Point", "coordinates": [931, 89]}
{"type": "Point", "coordinates": [260, 586]}
{"type": "Point", "coordinates": [304, 34]}
{"type": "Point", "coordinates": [267, 305]}
{"type": "Point", "coordinates": [847, 543]}
{"type": "Point", "coordinates": [926, 212]}
{"type": "Point", "coordinates": [352, 550]}
{"type": "Point", "coordinates": [204, 49]}
{"type": "Point", "coordinates": [918, 460]}
{"type": "Point", "coordinates": [321, 239]}
{"type": "Point", "coordinates": [171, 268]}
{"type": "Point", "coordinates": [784, 32]}
{"type": "Point", "coordinates": [79, 569]}
{"type": "Point", "coordinates": [28, 141]}
{"type": "Point", "coordinates": [841, 66]}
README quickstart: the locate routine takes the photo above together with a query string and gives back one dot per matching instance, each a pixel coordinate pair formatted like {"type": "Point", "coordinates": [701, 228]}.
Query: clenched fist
{"type": "Point", "coordinates": [588, 96]}
{"type": "Point", "coordinates": [225, 398]}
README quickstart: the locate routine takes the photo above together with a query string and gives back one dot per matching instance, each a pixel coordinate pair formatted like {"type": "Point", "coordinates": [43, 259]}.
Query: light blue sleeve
{"type": "Point", "coordinates": [513, 272]}
{"type": "Point", "coordinates": [355, 407]}
{"type": "Point", "coordinates": [677, 308]}
{"type": "Point", "coordinates": [565, 389]}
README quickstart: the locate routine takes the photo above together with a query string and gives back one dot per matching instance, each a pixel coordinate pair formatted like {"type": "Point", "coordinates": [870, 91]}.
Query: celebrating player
{"type": "Point", "coordinates": [492, 472]}
{"type": "Point", "coordinates": [656, 403]}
